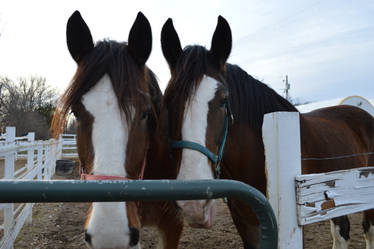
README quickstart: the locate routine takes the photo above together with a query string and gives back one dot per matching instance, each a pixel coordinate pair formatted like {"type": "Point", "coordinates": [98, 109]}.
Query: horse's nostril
{"type": "Point", "coordinates": [87, 237]}
{"type": "Point", "coordinates": [177, 206]}
{"type": "Point", "coordinates": [134, 236]}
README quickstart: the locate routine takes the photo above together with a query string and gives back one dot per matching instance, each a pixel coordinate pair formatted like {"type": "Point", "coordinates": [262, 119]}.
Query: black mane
{"type": "Point", "coordinates": [189, 71]}
{"type": "Point", "coordinates": [250, 98]}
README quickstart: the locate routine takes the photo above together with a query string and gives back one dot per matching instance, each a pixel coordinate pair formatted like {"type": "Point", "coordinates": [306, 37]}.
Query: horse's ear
{"type": "Point", "coordinates": [140, 39]}
{"type": "Point", "coordinates": [221, 43]}
{"type": "Point", "coordinates": [171, 46]}
{"type": "Point", "coordinates": [78, 37]}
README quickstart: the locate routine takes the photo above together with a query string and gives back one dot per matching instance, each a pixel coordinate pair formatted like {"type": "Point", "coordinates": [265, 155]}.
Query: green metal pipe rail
{"type": "Point", "coordinates": [145, 190]}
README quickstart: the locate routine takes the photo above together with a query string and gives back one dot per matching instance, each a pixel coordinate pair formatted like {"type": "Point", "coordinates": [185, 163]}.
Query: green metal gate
{"type": "Point", "coordinates": [144, 190]}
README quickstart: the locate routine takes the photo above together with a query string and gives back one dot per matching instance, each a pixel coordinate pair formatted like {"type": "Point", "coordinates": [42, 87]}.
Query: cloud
{"type": "Point", "coordinates": [323, 46]}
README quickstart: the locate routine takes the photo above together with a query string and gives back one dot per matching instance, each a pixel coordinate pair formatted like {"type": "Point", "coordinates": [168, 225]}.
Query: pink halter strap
{"type": "Point", "coordinates": [102, 177]}
{"type": "Point", "coordinates": [109, 177]}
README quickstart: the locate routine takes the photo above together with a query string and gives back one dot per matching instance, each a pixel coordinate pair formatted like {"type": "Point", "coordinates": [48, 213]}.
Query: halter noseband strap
{"type": "Point", "coordinates": [87, 177]}
{"type": "Point", "coordinates": [102, 177]}
{"type": "Point", "coordinates": [216, 159]}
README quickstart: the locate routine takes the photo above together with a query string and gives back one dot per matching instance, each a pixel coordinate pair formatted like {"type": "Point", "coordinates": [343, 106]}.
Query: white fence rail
{"type": "Point", "coordinates": [324, 196]}
{"type": "Point", "coordinates": [298, 199]}
{"type": "Point", "coordinates": [25, 158]}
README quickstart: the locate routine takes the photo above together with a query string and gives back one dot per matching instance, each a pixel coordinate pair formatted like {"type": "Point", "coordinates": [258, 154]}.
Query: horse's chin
{"type": "Point", "coordinates": [206, 225]}
{"type": "Point", "coordinates": [133, 247]}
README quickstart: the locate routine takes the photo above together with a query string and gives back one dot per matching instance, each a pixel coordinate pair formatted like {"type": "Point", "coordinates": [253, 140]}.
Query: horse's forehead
{"type": "Point", "coordinates": [194, 122]}
{"type": "Point", "coordinates": [206, 91]}
{"type": "Point", "coordinates": [101, 100]}
{"type": "Point", "coordinates": [101, 95]}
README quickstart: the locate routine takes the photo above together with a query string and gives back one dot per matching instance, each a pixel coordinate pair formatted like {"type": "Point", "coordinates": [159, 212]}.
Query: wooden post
{"type": "Point", "coordinates": [30, 151]}
{"type": "Point", "coordinates": [47, 162]}
{"type": "Point", "coordinates": [53, 154]}
{"type": "Point", "coordinates": [10, 157]}
{"type": "Point", "coordinates": [39, 161]}
{"type": "Point", "coordinates": [281, 136]}
{"type": "Point", "coordinates": [60, 146]}
{"type": "Point", "coordinates": [30, 165]}
{"type": "Point", "coordinates": [9, 174]}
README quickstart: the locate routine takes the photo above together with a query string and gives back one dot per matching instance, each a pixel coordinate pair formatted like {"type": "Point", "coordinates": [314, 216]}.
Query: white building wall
{"type": "Point", "coordinates": [365, 104]}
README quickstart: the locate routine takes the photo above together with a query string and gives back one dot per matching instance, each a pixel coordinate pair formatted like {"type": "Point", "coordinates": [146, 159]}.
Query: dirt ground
{"type": "Point", "coordinates": [60, 225]}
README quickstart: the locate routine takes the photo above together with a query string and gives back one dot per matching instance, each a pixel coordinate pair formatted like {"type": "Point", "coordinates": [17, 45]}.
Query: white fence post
{"type": "Point", "coordinates": [60, 145]}
{"type": "Point", "coordinates": [30, 151]}
{"type": "Point", "coordinates": [46, 166]}
{"type": "Point", "coordinates": [30, 164]}
{"type": "Point", "coordinates": [9, 174]}
{"type": "Point", "coordinates": [39, 161]}
{"type": "Point", "coordinates": [57, 154]}
{"type": "Point", "coordinates": [281, 136]}
{"type": "Point", "coordinates": [9, 158]}
{"type": "Point", "coordinates": [53, 155]}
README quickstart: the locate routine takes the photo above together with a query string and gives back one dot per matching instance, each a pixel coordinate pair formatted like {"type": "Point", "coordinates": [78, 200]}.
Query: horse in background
{"type": "Point", "coordinates": [214, 113]}
{"type": "Point", "coordinates": [115, 99]}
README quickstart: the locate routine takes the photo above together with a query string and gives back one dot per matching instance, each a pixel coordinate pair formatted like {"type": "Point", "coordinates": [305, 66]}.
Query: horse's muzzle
{"type": "Point", "coordinates": [199, 214]}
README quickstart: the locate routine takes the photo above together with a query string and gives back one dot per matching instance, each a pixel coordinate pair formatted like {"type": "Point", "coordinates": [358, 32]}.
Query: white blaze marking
{"type": "Point", "coordinates": [109, 129]}
{"type": "Point", "coordinates": [108, 224]}
{"type": "Point", "coordinates": [369, 237]}
{"type": "Point", "coordinates": [194, 164]}
{"type": "Point", "coordinates": [338, 241]}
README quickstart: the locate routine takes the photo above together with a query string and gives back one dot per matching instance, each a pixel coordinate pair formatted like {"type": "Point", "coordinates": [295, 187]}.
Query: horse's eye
{"type": "Point", "coordinates": [223, 102]}
{"type": "Point", "coordinates": [75, 115]}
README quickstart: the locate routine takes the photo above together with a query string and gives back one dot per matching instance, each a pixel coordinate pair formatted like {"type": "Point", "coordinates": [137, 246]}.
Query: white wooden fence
{"type": "Point", "coordinates": [25, 158]}
{"type": "Point", "coordinates": [69, 146]}
{"type": "Point", "coordinates": [298, 199]}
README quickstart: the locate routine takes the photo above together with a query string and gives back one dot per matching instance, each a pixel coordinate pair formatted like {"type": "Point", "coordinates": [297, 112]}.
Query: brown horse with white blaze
{"type": "Point", "coordinates": [116, 100]}
{"type": "Point", "coordinates": [214, 112]}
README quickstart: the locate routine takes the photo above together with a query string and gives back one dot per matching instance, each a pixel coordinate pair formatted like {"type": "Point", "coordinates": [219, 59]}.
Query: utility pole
{"type": "Point", "coordinates": [288, 86]}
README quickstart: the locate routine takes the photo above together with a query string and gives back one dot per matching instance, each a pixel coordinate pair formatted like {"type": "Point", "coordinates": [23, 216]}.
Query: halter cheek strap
{"type": "Point", "coordinates": [194, 146]}
{"type": "Point", "coordinates": [216, 159]}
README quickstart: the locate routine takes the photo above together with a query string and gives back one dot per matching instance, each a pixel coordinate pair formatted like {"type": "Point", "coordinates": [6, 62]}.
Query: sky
{"type": "Point", "coordinates": [326, 47]}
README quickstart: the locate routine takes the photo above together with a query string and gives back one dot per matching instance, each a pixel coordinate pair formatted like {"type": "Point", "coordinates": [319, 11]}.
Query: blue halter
{"type": "Point", "coordinates": [216, 159]}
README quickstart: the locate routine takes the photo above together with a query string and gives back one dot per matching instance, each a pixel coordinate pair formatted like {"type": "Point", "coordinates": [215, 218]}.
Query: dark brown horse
{"type": "Point", "coordinates": [116, 101]}
{"type": "Point", "coordinates": [207, 97]}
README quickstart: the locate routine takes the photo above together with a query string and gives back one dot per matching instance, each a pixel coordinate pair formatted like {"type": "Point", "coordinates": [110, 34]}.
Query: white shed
{"type": "Point", "coordinates": [361, 102]}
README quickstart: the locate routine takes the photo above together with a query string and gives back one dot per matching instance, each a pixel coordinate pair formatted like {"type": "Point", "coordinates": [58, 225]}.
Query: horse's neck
{"type": "Point", "coordinates": [244, 158]}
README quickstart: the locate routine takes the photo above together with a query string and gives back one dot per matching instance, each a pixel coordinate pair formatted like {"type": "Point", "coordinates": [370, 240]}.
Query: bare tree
{"type": "Point", "coordinates": [27, 104]}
